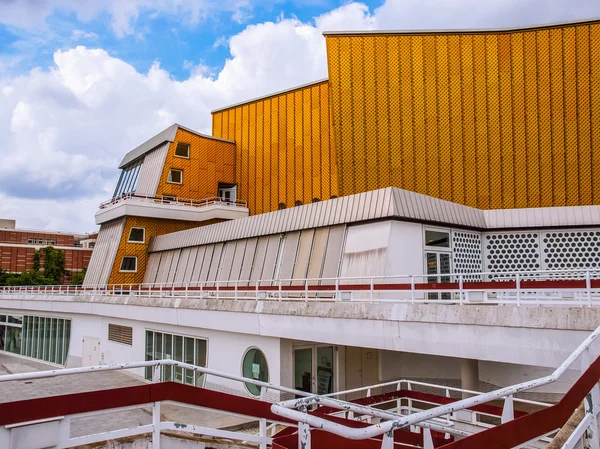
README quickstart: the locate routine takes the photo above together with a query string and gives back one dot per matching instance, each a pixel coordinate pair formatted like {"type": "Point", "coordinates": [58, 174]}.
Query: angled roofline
{"type": "Point", "coordinates": [166, 135]}
{"type": "Point", "coordinates": [274, 94]}
{"type": "Point", "coordinates": [464, 31]}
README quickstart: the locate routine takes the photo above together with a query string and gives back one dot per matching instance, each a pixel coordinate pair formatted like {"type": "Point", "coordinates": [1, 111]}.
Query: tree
{"type": "Point", "coordinates": [54, 264]}
{"type": "Point", "coordinates": [78, 278]}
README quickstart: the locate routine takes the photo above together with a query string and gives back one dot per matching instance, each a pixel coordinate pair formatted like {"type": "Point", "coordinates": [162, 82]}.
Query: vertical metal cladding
{"type": "Point", "coordinates": [493, 120]}
{"type": "Point", "coordinates": [153, 227]}
{"type": "Point", "coordinates": [150, 173]}
{"type": "Point", "coordinates": [103, 256]}
{"type": "Point", "coordinates": [211, 161]}
{"type": "Point", "coordinates": [284, 148]}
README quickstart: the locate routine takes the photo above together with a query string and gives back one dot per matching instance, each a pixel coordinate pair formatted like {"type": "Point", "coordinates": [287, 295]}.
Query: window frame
{"type": "Point", "coordinates": [242, 370]}
{"type": "Point", "coordinates": [137, 241]}
{"type": "Point", "coordinates": [189, 149]}
{"type": "Point", "coordinates": [121, 270]}
{"type": "Point", "coordinates": [169, 178]}
{"type": "Point", "coordinates": [427, 247]}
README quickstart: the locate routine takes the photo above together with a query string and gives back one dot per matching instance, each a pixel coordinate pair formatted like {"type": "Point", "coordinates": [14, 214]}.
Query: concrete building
{"type": "Point", "coordinates": [430, 212]}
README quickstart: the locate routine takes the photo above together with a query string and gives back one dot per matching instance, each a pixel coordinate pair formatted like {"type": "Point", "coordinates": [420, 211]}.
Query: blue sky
{"type": "Point", "coordinates": [82, 82]}
{"type": "Point", "coordinates": [176, 41]}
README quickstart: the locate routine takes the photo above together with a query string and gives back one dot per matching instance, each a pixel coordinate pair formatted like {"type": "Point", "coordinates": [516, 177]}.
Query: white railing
{"type": "Point", "coordinates": [157, 425]}
{"type": "Point", "coordinates": [573, 287]}
{"type": "Point", "coordinates": [296, 409]}
{"type": "Point", "coordinates": [173, 201]}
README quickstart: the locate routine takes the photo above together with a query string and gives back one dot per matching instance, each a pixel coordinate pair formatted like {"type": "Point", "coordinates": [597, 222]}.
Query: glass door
{"type": "Point", "coordinates": [324, 369]}
{"type": "Point", "coordinates": [438, 264]}
{"type": "Point", "coordinates": [314, 369]}
{"type": "Point", "coordinates": [303, 369]}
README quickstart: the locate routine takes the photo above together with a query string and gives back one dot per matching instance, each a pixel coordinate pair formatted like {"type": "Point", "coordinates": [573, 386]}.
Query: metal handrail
{"type": "Point", "coordinates": [167, 199]}
{"type": "Point", "coordinates": [582, 288]}
{"type": "Point", "coordinates": [287, 408]}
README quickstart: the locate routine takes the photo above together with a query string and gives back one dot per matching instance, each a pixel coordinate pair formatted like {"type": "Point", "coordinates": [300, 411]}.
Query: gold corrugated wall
{"type": "Point", "coordinates": [284, 148]}
{"type": "Point", "coordinates": [154, 227]}
{"type": "Point", "coordinates": [211, 161]}
{"type": "Point", "coordinates": [491, 120]}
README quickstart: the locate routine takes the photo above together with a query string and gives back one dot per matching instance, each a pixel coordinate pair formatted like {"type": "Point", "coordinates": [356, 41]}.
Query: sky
{"type": "Point", "coordinates": [82, 82]}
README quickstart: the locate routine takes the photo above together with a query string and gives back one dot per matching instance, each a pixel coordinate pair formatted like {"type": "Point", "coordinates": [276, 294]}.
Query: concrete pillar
{"type": "Point", "coordinates": [469, 376]}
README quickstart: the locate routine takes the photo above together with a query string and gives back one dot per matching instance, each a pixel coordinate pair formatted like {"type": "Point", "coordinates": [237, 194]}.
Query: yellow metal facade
{"type": "Point", "coordinates": [153, 227]}
{"type": "Point", "coordinates": [491, 120]}
{"type": "Point", "coordinates": [211, 161]}
{"type": "Point", "coordinates": [284, 148]}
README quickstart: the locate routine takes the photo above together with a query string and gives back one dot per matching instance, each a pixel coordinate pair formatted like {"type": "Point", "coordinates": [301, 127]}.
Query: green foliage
{"type": "Point", "coordinates": [77, 278]}
{"type": "Point", "coordinates": [36, 260]}
{"type": "Point", "coordinates": [54, 264]}
{"type": "Point", "coordinates": [24, 278]}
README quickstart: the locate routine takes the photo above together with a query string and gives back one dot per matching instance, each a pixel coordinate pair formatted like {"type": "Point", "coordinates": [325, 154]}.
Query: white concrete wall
{"type": "Point", "coordinates": [405, 252]}
{"type": "Point", "coordinates": [405, 365]}
{"type": "Point", "coordinates": [225, 350]}
{"type": "Point", "coordinates": [365, 251]}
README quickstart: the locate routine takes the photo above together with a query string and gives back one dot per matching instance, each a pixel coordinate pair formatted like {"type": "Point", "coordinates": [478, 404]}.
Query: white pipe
{"type": "Point", "coordinates": [152, 363]}
{"type": "Point", "coordinates": [286, 408]}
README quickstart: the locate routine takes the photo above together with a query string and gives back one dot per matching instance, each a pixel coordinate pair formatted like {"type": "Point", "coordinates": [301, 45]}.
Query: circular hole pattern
{"type": "Point", "coordinates": [467, 253]}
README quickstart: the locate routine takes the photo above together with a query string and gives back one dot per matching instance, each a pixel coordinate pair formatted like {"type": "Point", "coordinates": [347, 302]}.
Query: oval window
{"type": "Point", "coordinates": [254, 366]}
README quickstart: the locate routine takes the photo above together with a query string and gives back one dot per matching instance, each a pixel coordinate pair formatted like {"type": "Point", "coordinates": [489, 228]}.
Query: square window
{"type": "Point", "coordinates": [438, 239]}
{"type": "Point", "coordinates": [137, 235]}
{"type": "Point", "coordinates": [183, 150]}
{"type": "Point", "coordinates": [129, 264]}
{"type": "Point", "coordinates": [175, 176]}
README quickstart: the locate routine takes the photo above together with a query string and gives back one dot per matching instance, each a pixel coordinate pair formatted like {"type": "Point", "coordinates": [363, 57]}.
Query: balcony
{"type": "Point", "coordinates": [169, 207]}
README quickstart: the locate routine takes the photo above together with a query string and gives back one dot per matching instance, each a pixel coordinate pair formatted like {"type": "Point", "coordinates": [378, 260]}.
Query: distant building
{"type": "Point", "coordinates": [18, 246]}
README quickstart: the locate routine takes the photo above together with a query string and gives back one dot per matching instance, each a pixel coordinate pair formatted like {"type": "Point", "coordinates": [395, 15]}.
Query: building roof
{"type": "Point", "coordinates": [388, 203]}
{"type": "Point", "coordinates": [465, 31]}
{"type": "Point", "coordinates": [167, 135]}
{"type": "Point", "coordinates": [377, 204]}
{"type": "Point", "coordinates": [274, 94]}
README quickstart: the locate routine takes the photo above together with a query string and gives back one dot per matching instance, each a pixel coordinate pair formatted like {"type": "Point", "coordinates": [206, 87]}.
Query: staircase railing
{"type": "Point", "coordinates": [297, 409]}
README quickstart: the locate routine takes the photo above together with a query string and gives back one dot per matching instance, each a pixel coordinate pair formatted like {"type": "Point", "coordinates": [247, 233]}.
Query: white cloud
{"type": "Point", "coordinates": [68, 127]}
{"type": "Point", "coordinates": [474, 14]}
{"type": "Point", "coordinates": [77, 35]}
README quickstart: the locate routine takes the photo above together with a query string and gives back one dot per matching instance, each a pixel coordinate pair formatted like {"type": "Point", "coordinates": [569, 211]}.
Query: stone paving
{"type": "Point", "coordinates": [77, 383]}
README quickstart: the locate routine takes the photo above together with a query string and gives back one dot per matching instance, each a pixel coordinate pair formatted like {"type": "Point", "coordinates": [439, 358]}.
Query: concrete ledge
{"type": "Point", "coordinates": [533, 317]}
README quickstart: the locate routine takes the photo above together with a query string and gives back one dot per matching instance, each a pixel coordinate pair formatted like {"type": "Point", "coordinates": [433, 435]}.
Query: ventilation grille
{"type": "Point", "coordinates": [467, 254]}
{"type": "Point", "coordinates": [571, 250]}
{"type": "Point", "coordinates": [512, 252]}
{"type": "Point", "coordinates": [120, 334]}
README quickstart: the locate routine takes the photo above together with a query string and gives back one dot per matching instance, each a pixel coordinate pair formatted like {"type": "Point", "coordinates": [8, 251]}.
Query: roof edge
{"type": "Point", "coordinates": [166, 135]}
{"type": "Point", "coordinates": [274, 94]}
{"type": "Point", "coordinates": [206, 136]}
{"type": "Point", "coordinates": [464, 31]}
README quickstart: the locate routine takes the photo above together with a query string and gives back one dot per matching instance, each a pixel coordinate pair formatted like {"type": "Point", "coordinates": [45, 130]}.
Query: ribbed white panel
{"type": "Point", "coordinates": [208, 256]}
{"type": "Point", "coordinates": [249, 256]}
{"type": "Point", "coordinates": [105, 251]}
{"type": "Point", "coordinates": [259, 258]}
{"type": "Point", "coordinates": [226, 261]}
{"type": "Point", "coordinates": [215, 263]}
{"type": "Point", "coordinates": [151, 170]}
{"type": "Point", "coordinates": [315, 265]}
{"type": "Point", "coordinates": [182, 266]}
{"type": "Point", "coordinates": [304, 252]}
{"type": "Point", "coordinates": [289, 255]}
{"type": "Point", "coordinates": [333, 255]}
{"type": "Point", "coordinates": [152, 268]}
{"type": "Point", "coordinates": [238, 259]}
{"type": "Point", "coordinates": [271, 258]}
{"type": "Point", "coordinates": [383, 203]}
